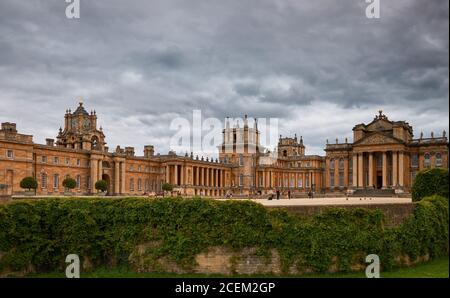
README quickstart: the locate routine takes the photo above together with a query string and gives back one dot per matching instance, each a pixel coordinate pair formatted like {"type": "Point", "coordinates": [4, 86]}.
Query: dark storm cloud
{"type": "Point", "coordinates": [320, 66]}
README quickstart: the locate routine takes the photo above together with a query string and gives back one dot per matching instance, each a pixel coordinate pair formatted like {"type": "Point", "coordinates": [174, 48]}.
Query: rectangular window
{"type": "Point", "coordinates": [44, 181]}
{"type": "Point", "coordinates": [414, 160]}
{"type": "Point", "coordinates": [139, 184]}
{"type": "Point", "coordinates": [139, 168]}
{"type": "Point", "coordinates": [78, 181]}
{"type": "Point", "coordinates": [300, 182]}
{"type": "Point", "coordinates": [131, 184]}
{"type": "Point", "coordinates": [331, 179]}
{"type": "Point", "coordinates": [9, 154]}
{"type": "Point", "coordinates": [89, 182]}
{"type": "Point", "coordinates": [55, 181]}
{"type": "Point", "coordinates": [44, 159]}
{"type": "Point", "coordinates": [56, 160]}
{"type": "Point", "coordinates": [241, 160]}
{"type": "Point", "coordinates": [341, 179]}
{"type": "Point", "coordinates": [78, 162]}
{"type": "Point", "coordinates": [307, 180]}
{"type": "Point", "coordinates": [67, 161]}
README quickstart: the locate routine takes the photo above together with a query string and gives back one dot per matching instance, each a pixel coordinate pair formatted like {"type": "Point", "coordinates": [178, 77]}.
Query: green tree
{"type": "Point", "coordinates": [29, 183]}
{"type": "Point", "coordinates": [101, 185]}
{"type": "Point", "coordinates": [69, 183]}
{"type": "Point", "coordinates": [430, 182]}
{"type": "Point", "coordinates": [167, 187]}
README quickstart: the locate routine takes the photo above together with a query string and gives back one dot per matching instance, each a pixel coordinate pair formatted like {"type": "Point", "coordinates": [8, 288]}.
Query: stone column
{"type": "Point", "coordinates": [167, 173]}
{"type": "Point", "coordinates": [122, 173]}
{"type": "Point", "coordinates": [371, 183]}
{"type": "Point", "coordinates": [175, 174]}
{"type": "Point", "coordinates": [207, 177]}
{"type": "Point", "coordinates": [394, 168]}
{"type": "Point", "coordinates": [355, 170]}
{"type": "Point", "coordinates": [116, 177]}
{"type": "Point", "coordinates": [197, 176]}
{"type": "Point", "coordinates": [100, 170]}
{"type": "Point", "coordinates": [182, 176]}
{"type": "Point", "coordinates": [384, 170]}
{"type": "Point", "coordinates": [401, 168]}
{"type": "Point", "coordinates": [360, 170]}
{"type": "Point", "coordinates": [94, 173]}
{"type": "Point", "coordinates": [346, 172]}
{"type": "Point", "coordinates": [217, 178]}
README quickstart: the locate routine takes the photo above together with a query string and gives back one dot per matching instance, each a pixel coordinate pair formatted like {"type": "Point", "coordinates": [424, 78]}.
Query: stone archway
{"type": "Point", "coordinates": [108, 182]}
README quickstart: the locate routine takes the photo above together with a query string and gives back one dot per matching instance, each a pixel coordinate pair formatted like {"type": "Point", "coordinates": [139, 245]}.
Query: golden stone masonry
{"type": "Point", "coordinates": [383, 157]}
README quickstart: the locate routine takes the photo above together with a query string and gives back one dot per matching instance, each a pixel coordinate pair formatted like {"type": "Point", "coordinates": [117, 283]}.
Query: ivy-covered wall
{"type": "Point", "coordinates": [39, 234]}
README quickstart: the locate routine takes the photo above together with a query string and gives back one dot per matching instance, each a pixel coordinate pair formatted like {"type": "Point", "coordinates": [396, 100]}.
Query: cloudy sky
{"type": "Point", "coordinates": [319, 66]}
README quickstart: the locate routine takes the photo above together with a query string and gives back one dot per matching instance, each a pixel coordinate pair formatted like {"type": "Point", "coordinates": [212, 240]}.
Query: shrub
{"type": "Point", "coordinates": [167, 187]}
{"type": "Point", "coordinates": [101, 185]}
{"type": "Point", "coordinates": [69, 183]}
{"type": "Point", "coordinates": [28, 183]}
{"type": "Point", "coordinates": [430, 182]}
{"type": "Point", "coordinates": [42, 232]}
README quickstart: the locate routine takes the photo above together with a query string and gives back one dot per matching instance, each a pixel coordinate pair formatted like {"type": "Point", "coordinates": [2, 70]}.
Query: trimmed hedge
{"type": "Point", "coordinates": [43, 232]}
{"type": "Point", "coordinates": [430, 182]}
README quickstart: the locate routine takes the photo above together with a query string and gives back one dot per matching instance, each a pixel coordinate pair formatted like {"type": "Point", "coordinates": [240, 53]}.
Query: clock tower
{"type": "Point", "coordinates": [80, 131]}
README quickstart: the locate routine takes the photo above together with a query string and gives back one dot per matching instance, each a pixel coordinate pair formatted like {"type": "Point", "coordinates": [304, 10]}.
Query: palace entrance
{"type": "Point", "coordinates": [379, 184]}
{"type": "Point", "coordinates": [108, 182]}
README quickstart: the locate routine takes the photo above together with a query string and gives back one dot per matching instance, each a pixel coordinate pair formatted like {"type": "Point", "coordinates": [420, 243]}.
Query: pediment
{"type": "Point", "coordinates": [377, 139]}
{"type": "Point", "coordinates": [380, 125]}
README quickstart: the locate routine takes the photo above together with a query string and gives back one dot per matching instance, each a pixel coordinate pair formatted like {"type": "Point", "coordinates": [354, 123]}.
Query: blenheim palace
{"type": "Point", "coordinates": [383, 156]}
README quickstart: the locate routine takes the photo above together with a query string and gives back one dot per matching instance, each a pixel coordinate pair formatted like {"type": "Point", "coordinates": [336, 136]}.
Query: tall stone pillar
{"type": "Point", "coordinates": [355, 170]}
{"type": "Point", "coordinates": [116, 177]}
{"type": "Point", "coordinates": [100, 170]}
{"type": "Point", "coordinates": [167, 174]}
{"type": "Point", "coordinates": [384, 170]}
{"type": "Point", "coordinates": [371, 182]}
{"type": "Point", "coordinates": [207, 177]}
{"type": "Point", "coordinates": [360, 170]}
{"type": "Point", "coordinates": [394, 168]}
{"type": "Point", "coordinates": [202, 176]}
{"type": "Point", "coordinates": [197, 176]}
{"type": "Point", "coordinates": [123, 179]}
{"type": "Point", "coordinates": [175, 175]}
{"type": "Point", "coordinates": [217, 177]}
{"type": "Point", "coordinates": [401, 167]}
{"type": "Point", "coordinates": [182, 176]}
{"type": "Point", "coordinates": [94, 173]}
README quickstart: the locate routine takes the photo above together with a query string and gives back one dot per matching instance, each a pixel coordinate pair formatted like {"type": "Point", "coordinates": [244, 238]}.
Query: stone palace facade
{"type": "Point", "coordinates": [383, 155]}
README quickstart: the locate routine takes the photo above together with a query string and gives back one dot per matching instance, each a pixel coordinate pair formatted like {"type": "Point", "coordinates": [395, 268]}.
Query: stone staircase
{"type": "Point", "coordinates": [373, 193]}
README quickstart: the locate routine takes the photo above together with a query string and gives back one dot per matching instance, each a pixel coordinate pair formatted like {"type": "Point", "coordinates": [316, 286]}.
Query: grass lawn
{"type": "Point", "coordinates": [437, 268]}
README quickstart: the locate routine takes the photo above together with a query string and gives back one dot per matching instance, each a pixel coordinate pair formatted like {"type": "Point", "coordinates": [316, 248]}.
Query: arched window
{"type": "Point", "coordinates": [426, 160]}
{"type": "Point", "coordinates": [438, 160]}
{"type": "Point", "coordinates": [341, 164]}
{"type": "Point", "coordinates": [94, 143]}
{"type": "Point", "coordinates": [331, 164]}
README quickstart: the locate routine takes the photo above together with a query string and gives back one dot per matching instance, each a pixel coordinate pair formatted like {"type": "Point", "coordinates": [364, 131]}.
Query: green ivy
{"type": "Point", "coordinates": [42, 232]}
{"type": "Point", "coordinates": [430, 182]}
